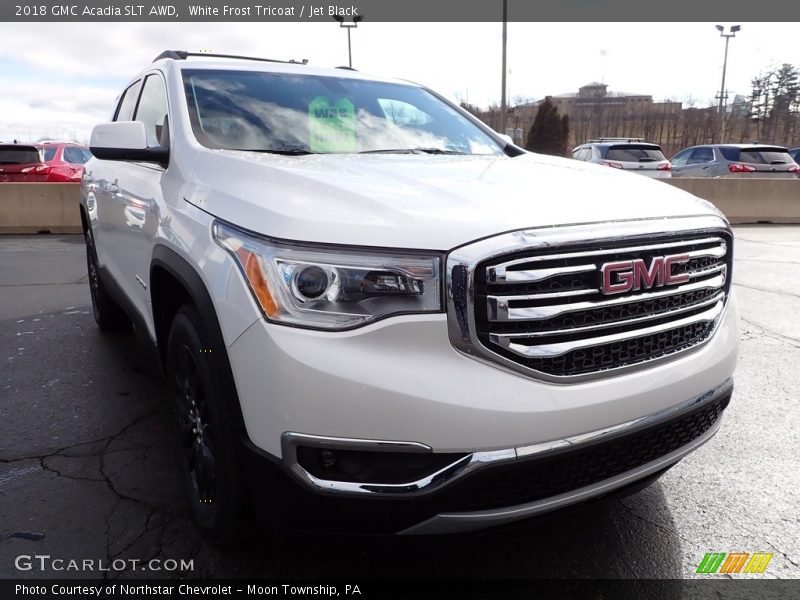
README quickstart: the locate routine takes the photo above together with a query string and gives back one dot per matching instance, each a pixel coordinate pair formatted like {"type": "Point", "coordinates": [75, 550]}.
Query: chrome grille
{"type": "Point", "coordinates": [541, 306]}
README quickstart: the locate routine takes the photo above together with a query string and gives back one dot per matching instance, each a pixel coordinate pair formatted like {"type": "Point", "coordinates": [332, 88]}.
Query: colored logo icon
{"type": "Point", "coordinates": [734, 562]}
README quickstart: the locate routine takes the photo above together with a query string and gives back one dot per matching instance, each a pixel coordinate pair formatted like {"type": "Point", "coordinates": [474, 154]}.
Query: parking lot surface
{"type": "Point", "coordinates": [89, 468]}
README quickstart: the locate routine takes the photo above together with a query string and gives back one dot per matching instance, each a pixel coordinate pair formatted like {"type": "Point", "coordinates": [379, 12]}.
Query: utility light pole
{"type": "Point", "coordinates": [348, 26]}
{"type": "Point", "coordinates": [503, 104]}
{"type": "Point", "coordinates": [722, 93]}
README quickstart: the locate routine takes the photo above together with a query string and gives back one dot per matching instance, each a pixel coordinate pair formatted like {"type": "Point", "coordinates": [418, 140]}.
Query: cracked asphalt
{"type": "Point", "coordinates": [89, 468]}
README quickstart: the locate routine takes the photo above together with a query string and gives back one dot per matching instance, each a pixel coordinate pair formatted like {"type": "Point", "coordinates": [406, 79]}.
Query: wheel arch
{"type": "Point", "coordinates": [173, 283]}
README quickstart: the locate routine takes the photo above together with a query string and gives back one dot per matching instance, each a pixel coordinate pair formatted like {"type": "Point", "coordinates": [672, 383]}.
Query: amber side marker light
{"type": "Point", "coordinates": [255, 275]}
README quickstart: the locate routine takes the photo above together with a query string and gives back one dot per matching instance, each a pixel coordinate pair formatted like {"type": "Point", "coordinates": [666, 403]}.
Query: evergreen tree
{"type": "Point", "coordinates": [550, 131]}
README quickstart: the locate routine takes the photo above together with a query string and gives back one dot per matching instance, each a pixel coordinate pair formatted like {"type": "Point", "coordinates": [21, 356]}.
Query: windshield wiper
{"type": "Point", "coordinates": [283, 151]}
{"type": "Point", "coordinates": [411, 151]}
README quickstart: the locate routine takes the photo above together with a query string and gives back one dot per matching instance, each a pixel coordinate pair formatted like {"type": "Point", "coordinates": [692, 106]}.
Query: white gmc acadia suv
{"type": "Point", "coordinates": [376, 314]}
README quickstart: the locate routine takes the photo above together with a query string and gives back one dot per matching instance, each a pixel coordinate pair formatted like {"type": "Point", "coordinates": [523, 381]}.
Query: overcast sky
{"type": "Point", "coordinates": [59, 79]}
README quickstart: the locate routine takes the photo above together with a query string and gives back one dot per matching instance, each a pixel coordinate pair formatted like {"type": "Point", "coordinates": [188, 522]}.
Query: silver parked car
{"type": "Point", "coordinates": [630, 154]}
{"type": "Point", "coordinates": [734, 160]}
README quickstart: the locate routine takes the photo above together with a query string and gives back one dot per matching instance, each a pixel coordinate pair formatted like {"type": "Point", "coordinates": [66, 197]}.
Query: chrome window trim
{"type": "Point", "coordinates": [462, 262]}
{"type": "Point", "coordinates": [469, 463]}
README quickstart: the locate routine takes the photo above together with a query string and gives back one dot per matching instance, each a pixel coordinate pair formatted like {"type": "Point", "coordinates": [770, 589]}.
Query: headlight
{"type": "Point", "coordinates": [327, 288]}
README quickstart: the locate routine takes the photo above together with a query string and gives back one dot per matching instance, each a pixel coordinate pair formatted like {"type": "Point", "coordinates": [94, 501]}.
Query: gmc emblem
{"type": "Point", "coordinates": [636, 275]}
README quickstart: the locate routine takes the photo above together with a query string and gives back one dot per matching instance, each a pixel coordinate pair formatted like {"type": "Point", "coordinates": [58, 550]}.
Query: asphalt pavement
{"type": "Point", "coordinates": [89, 468]}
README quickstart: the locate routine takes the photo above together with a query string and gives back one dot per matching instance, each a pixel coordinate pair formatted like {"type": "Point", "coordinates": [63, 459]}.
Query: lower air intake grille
{"type": "Point", "coordinates": [538, 478]}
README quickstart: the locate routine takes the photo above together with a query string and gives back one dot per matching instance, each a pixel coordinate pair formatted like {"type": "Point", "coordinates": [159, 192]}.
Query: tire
{"type": "Point", "coordinates": [207, 436]}
{"type": "Point", "coordinates": [107, 313]}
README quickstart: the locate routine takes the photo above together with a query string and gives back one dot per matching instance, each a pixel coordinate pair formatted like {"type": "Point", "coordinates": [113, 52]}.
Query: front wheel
{"type": "Point", "coordinates": [207, 439]}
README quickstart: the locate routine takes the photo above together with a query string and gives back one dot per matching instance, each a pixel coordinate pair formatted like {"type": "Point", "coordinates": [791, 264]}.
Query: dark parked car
{"type": "Point", "coordinates": [795, 154]}
{"type": "Point", "coordinates": [734, 160]}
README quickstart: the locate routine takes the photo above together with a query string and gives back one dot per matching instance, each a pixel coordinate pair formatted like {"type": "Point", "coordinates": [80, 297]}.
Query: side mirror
{"type": "Point", "coordinates": [125, 140]}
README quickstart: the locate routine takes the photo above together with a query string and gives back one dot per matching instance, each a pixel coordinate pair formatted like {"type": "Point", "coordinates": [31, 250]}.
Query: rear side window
{"type": "Point", "coordinates": [730, 153]}
{"type": "Point", "coordinates": [128, 103]}
{"type": "Point", "coordinates": [19, 155]}
{"type": "Point", "coordinates": [152, 110]}
{"type": "Point", "coordinates": [76, 156]}
{"type": "Point", "coordinates": [633, 153]}
{"type": "Point", "coordinates": [50, 153]}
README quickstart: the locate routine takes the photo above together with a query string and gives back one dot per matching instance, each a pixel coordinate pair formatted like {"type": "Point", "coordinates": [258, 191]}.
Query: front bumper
{"type": "Point", "coordinates": [529, 482]}
{"type": "Point", "coordinates": [531, 446]}
{"type": "Point", "coordinates": [402, 380]}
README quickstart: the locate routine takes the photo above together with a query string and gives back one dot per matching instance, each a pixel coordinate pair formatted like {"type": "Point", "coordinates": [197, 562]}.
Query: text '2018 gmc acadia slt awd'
{"type": "Point", "coordinates": [376, 314]}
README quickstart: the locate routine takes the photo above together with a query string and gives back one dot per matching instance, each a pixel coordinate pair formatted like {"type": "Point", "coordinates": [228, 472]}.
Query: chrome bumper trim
{"type": "Point", "coordinates": [469, 521]}
{"type": "Point", "coordinates": [467, 464]}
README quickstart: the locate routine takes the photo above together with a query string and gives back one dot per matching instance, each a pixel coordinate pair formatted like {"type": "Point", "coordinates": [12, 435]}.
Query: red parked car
{"type": "Point", "coordinates": [65, 161]}
{"type": "Point", "coordinates": [22, 162]}
{"type": "Point", "coordinates": [42, 162]}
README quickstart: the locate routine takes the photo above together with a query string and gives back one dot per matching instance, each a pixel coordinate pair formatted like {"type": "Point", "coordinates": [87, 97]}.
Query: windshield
{"type": "Point", "coordinates": [285, 112]}
{"type": "Point", "coordinates": [19, 155]}
{"type": "Point", "coordinates": [631, 153]}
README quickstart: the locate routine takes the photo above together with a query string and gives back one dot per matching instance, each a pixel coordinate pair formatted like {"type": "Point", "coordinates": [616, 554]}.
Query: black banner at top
{"type": "Point", "coordinates": [399, 10]}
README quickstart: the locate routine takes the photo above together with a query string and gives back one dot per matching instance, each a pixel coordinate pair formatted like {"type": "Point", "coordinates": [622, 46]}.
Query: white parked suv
{"type": "Point", "coordinates": [629, 154]}
{"type": "Point", "coordinates": [376, 314]}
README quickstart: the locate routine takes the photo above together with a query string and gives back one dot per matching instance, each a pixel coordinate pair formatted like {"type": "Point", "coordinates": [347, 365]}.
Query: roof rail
{"type": "Point", "coordinates": [183, 55]}
{"type": "Point", "coordinates": [612, 139]}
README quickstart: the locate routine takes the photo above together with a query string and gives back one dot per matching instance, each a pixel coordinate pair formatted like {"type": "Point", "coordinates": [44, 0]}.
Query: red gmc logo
{"type": "Point", "coordinates": [636, 275]}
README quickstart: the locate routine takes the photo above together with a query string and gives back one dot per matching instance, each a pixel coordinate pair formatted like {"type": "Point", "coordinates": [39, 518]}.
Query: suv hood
{"type": "Point", "coordinates": [432, 202]}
